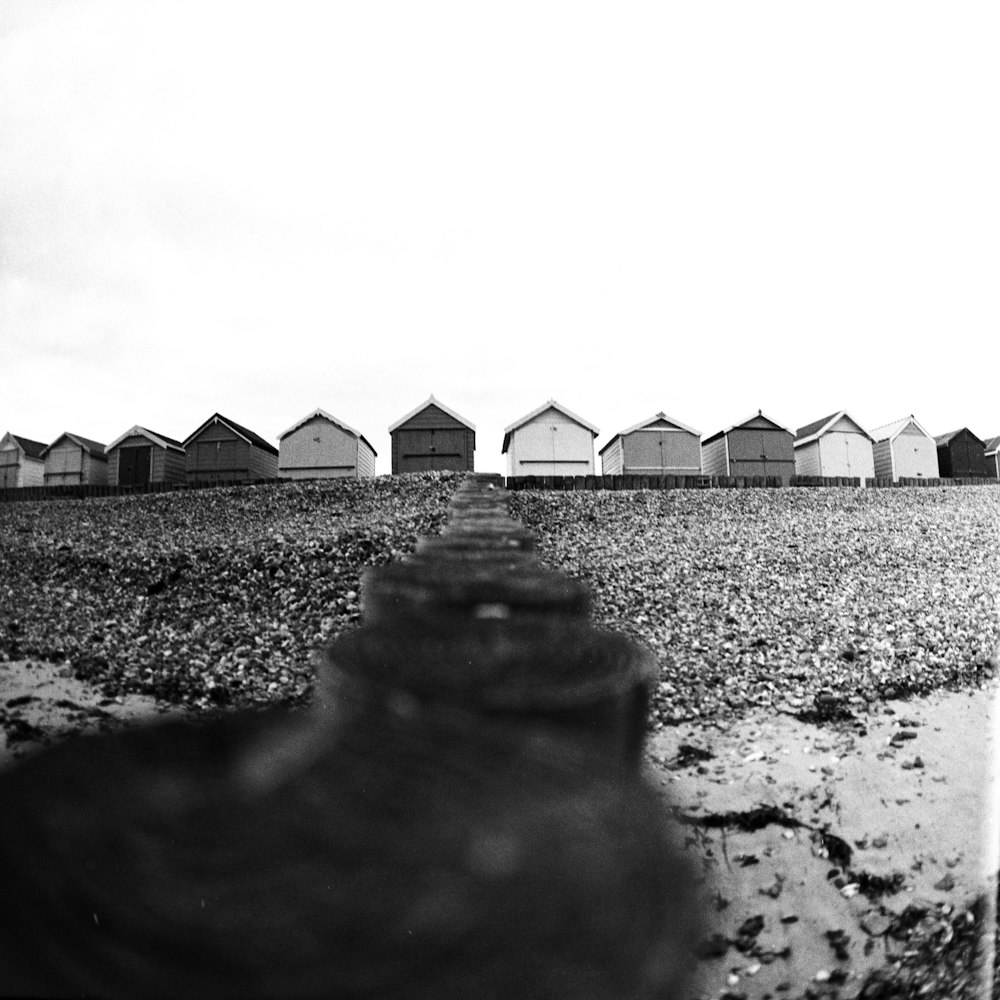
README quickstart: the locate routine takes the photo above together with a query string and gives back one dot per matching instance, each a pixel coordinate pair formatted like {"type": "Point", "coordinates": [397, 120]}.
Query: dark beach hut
{"type": "Point", "coordinates": [757, 446]}
{"type": "Point", "coordinates": [141, 456]}
{"type": "Point", "coordinates": [432, 437]}
{"type": "Point", "coordinates": [961, 455]}
{"type": "Point", "coordinates": [222, 450]}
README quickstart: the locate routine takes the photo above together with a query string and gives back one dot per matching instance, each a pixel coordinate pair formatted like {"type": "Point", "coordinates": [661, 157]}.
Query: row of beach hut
{"type": "Point", "coordinates": [835, 446]}
{"type": "Point", "coordinates": [551, 440]}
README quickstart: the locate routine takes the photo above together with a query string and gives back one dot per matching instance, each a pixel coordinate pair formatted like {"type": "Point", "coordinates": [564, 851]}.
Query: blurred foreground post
{"type": "Point", "coordinates": [461, 813]}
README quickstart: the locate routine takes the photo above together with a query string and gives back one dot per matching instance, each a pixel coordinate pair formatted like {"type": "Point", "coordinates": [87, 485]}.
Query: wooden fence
{"type": "Point", "coordinates": [82, 491]}
{"type": "Point", "coordinates": [719, 482]}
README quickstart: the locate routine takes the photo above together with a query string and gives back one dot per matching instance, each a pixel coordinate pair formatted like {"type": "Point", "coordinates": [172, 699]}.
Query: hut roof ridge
{"type": "Point", "coordinates": [645, 423]}
{"type": "Point", "coordinates": [320, 412]}
{"type": "Point", "coordinates": [160, 439]}
{"type": "Point", "coordinates": [248, 435]}
{"type": "Point", "coordinates": [892, 430]}
{"type": "Point", "coordinates": [946, 438]}
{"type": "Point", "coordinates": [818, 428]}
{"type": "Point", "coordinates": [88, 444]}
{"type": "Point", "coordinates": [32, 449]}
{"type": "Point", "coordinates": [431, 401]}
{"type": "Point", "coordinates": [753, 416]}
{"type": "Point", "coordinates": [550, 404]}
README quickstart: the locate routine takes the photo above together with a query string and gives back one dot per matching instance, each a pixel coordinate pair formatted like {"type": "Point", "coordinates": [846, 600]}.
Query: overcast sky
{"type": "Point", "coordinates": [705, 208]}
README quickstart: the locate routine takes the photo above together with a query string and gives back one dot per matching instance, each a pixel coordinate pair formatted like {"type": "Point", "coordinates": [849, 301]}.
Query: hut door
{"type": "Point", "coordinates": [761, 440]}
{"type": "Point", "coordinates": [772, 461]}
{"type": "Point", "coordinates": [8, 469]}
{"type": "Point", "coordinates": [133, 466]}
{"type": "Point", "coordinates": [447, 450]}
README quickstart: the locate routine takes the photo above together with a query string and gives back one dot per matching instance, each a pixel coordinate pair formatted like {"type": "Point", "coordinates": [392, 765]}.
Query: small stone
{"type": "Point", "coordinates": [875, 923]}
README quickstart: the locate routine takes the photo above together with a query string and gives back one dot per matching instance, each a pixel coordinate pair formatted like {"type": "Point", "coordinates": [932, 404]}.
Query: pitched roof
{"type": "Point", "coordinates": [247, 435]}
{"type": "Point", "coordinates": [810, 429]}
{"type": "Point", "coordinates": [942, 439]}
{"type": "Point", "coordinates": [992, 445]}
{"type": "Point", "coordinates": [742, 423]}
{"type": "Point", "coordinates": [158, 439]}
{"type": "Point", "coordinates": [819, 427]}
{"type": "Point", "coordinates": [333, 420]}
{"type": "Point", "coordinates": [655, 418]}
{"type": "Point", "coordinates": [550, 405]}
{"type": "Point", "coordinates": [431, 401]}
{"type": "Point", "coordinates": [32, 449]}
{"type": "Point", "coordinates": [888, 432]}
{"type": "Point", "coordinates": [93, 448]}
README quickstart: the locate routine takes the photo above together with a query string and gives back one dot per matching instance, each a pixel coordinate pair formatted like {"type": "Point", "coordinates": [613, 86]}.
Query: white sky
{"type": "Point", "coordinates": [705, 208]}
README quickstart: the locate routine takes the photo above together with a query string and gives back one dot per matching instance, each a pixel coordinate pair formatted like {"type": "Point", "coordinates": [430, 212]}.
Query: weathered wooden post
{"type": "Point", "coordinates": [461, 813]}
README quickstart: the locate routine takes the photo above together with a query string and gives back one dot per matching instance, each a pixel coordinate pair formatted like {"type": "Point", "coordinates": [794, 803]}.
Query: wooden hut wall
{"type": "Point", "coordinates": [661, 451]}
{"type": "Point", "coordinates": [846, 455]}
{"type": "Point", "coordinates": [853, 451]}
{"type": "Point", "coordinates": [963, 456]}
{"type": "Point", "coordinates": [433, 440]}
{"type": "Point", "coordinates": [914, 455]}
{"type": "Point", "coordinates": [366, 459]}
{"type": "Point", "coordinates": [882, 452]}
{"type": "Point", "coordinates": [551, 444]}
{"type": "Point", "coordinates": [10, 466]}
{"type": "Point", "coordinates": [992, 456]}
{"type": "Point", "coordinates": [611, 458]}
{"type": "Point", "coordinates": [161, 465]}
{"type": "Point", "coordinates": [64, 464]}
{"type": "Point", "coordinates": [18, 470]}
{"type": "Point", "coordinates": [714, 457]}
{"type": "Point", "coordinates": [169, 466]}
{"type": "Point", "coordinates": [67, 462]}
{"type": "Point", "coordinates": [319, 449]}
{"type": "Point", "coordinates": [219, 454]}
{"type": "Point", "coordinates": [807, 460]}
{"type": "Point", "coordinates": [758, 448]}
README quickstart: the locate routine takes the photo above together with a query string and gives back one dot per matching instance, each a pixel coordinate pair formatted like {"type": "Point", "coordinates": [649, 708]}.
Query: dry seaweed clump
{"type": "Point", "coordinates": [803, 601]}
{"type": "Point", "coordinates": [941, 955]}
{"type": "Point", "coordinates": [208, 597]}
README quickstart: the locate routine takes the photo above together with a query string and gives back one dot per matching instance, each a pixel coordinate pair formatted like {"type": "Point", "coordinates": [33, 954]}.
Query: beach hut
{"type": "Point", "coordinates": [904, 450]}
{"type": "Point", "coordinates": [657, 446]}
{"type": "Point", "coordinates": [758, 446]}
{"type": "Point", "coordinates": [21, 462]}
{"type": "Point", "coordinates": [320, 446]}
{"type": "Point", "coordinates": [141, 456]}
{"type": "Point", "coordinates": [549, 441]}
{"type": "Point", "coordinates": [836, 445]}
{"type": "Point", "coordinates": [992, 446]}
{"type": "Point", "coordinates": [432, 436]}
{"type": "Point", "coordinates": [221, 450]}
{"type": "Point", "coordinates": [74, 459]}
{"type": "Point", "coordinates": [961, 455]}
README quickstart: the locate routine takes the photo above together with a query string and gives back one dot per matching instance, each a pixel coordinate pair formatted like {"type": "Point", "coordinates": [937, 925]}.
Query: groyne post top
{"type": "Point", "coordinates": [473, 618]}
